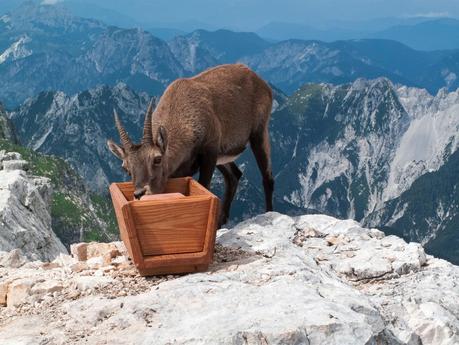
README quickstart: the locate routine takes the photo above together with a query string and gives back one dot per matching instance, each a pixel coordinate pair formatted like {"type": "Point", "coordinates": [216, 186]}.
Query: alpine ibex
{"type": "Point", "coordinates": [201, 123]}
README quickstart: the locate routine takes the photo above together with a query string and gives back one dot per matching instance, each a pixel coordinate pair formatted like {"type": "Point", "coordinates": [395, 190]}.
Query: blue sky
{"type": "Point", "coordinates": [250, 14]}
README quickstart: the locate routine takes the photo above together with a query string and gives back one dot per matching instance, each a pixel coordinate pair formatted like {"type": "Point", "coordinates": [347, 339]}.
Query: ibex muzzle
{"type": "Point", "coordinates": [201, 123]}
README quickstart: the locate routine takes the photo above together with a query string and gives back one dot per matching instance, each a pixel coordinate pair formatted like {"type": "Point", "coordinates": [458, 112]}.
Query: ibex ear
{"type": "Point", "coordinates": [117, 150]}
{"type": "Point", "coordinates": [161, 139]}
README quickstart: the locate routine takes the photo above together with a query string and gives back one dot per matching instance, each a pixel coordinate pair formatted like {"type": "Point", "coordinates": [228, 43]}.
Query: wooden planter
{"type": "Point", "coordinates": [168, 236]}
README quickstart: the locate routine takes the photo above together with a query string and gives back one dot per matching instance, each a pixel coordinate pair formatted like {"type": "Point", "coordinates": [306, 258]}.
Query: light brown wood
{"type": "Point", "coordinates": [174, 227]}
{"type": "Point", "coordinates": [162, 196]}
{"type": "Point", "coordinates": [170, 235]}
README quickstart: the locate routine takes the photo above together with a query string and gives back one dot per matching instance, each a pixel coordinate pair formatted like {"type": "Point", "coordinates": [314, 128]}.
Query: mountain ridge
{"type": "Point", "coordinates": [53, 45]}
{"type": "Point", "coordinates": [345, 150]}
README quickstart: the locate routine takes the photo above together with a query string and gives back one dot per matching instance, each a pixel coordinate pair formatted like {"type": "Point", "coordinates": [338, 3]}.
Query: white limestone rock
{"type": "Point", "coordinates": [277, 280]}
{"type": "Point", "coordinates": [15, 165]}
{"type": "Point", "coordinates": [12, 259]}
{"type": "Point", "coordinates": [25, 220]}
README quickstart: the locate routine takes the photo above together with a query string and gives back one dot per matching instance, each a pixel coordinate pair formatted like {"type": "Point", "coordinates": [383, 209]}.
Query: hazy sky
{"type": "Point", "coordinates": [249, 14]}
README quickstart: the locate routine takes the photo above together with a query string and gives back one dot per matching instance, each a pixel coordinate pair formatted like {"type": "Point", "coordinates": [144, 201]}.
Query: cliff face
{"type": "Point", "coordinates": [6, 128]}
{"type": "Point", "coordinates": [76, 214]}
{"type": "Point", "coordinates": [25, 218]}
{"type": "Point", "coordinates": [276, 280]}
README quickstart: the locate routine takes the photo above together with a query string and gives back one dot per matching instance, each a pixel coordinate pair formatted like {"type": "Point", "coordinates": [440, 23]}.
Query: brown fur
{"type": "Point", "coordinates": [216, 113]}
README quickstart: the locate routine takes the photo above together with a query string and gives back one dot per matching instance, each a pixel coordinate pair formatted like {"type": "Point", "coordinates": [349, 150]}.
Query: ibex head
{"type": "Point", "coordinates": [145, 162]}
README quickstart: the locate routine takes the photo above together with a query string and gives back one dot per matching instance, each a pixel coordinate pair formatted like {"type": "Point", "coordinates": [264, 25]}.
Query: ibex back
{"type": "Point", "coordinates": [201, 123]}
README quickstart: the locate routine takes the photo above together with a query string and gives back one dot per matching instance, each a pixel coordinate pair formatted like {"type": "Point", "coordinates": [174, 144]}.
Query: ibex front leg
{"type": "Point", "coordinates": [232, 174]}
{"type": "Point", "coordinates": [207, 164]}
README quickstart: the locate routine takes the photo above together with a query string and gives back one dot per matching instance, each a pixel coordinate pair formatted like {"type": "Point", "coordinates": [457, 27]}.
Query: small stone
{"type": "Point", "coordinates": [79, 251]}
{"type": "Point", "coordinates": [98, 273]}
{"type": "Point", "coordinates": [79, 266]}
{"type": "Point", "coordinates": [15, 165]}
{"type": "Point", "coordinates": [48, 286]}
{"type": "Point", "coordinates": [12, 259]}
{"type": "Point", "coordinates": [108, 268]}
{"type": "Point", "coordinates": [50, 265]}
{"type": "Point", "coordinates": [101, 249]}
{"type": "Point", "coordinates": [309, 232]}
{"type": "Point", "coordinates": [95, 262]}
{"type": "Point", "coordinates": [3, 293]}
{"type": "Point", "coordinates": [375, 233]}
{"type": "Point", "coordinates": [64, 260]}
{"type": "Point", "coordinates": [121, 248]}
{"type": "Point", "coordinates": [120, 260]}
{"type": "Point", "coordinates": [7, 156]}
{"type": "Point", "coordinates": [333, 240]}
{"type": "Point", "coordinates": [18, 292]}
{"type": "Point", "coordinates": [87, 283]}
{"type": "Point", "coordinates": [321, 257]}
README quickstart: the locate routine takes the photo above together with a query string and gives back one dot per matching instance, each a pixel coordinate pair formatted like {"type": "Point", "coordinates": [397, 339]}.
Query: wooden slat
{"type": "Point", "coordinates": [123, 215]}
{"type": "Point", "coordinates": [211, 232]}
{"type": "Point", "coordinates": [175, 226]}
{"type": "Point", "coordinates": [127, 188]}
{"type": "Point", "coordinates": [197, 189]}
{"type": "Point", "coordinates": [178, 185]}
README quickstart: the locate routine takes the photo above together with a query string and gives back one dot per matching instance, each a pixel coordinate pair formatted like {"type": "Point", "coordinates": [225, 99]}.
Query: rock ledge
{"type": "Point", "coordinates": [276, 280]}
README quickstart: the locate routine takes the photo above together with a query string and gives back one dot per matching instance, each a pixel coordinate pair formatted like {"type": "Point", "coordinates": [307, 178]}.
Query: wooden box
{"type": "Point", "coordinates": [168, 236]}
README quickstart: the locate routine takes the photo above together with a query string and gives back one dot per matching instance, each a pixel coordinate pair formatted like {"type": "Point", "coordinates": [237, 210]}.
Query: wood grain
{"type": "Point", "coordinates": [168, 235]}
{"type": "Point", "coordinates": [175, 226]}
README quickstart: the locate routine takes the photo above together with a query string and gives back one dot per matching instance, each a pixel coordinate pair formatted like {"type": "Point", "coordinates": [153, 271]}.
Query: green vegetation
{"type": "Point", "coordinates": [105, 212]}
{"type": "Point", "coordinates": [77, 214]}
{"type": "Point", "coordinates": [6, 130]}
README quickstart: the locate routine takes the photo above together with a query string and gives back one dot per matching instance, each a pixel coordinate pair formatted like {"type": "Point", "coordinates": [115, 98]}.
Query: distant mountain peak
{"type": "Point", "coordinates": [42, 15]}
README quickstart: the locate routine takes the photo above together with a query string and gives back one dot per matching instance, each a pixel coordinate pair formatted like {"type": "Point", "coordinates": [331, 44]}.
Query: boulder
{"type": "Point", "coordinates": [275, 280]}
{"type": "Point", "coordinates": [25, 220]}
{"type": "Point", "coordinates": [15, 165]}
{"type": "Point", "coordinates": [19, 292]}
{"type": "Point", "coordinates": [12, 259]}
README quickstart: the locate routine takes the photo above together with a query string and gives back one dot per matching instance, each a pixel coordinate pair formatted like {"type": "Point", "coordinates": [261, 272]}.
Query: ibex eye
{"type": "Point", "coordinates": [157, 160]}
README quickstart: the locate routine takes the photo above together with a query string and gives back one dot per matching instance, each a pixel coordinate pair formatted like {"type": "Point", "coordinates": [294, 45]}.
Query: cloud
{"type": "Point", "coordinates": [429, 15]}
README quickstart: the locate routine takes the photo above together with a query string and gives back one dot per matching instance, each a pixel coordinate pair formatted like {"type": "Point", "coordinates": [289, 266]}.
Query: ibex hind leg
{"type": "Point", "coordinates": [259, 142]}
{"type": "Point", "coordinates": [231, 174]}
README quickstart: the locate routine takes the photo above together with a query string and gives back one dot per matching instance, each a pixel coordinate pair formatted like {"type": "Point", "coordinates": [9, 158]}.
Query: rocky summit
{"type": "Point", "coordinates": [25, 215]}
{"type": "Point", "coordinates": [275, 280]}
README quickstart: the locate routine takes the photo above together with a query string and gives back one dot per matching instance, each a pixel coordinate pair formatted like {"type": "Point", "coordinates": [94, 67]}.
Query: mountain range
{"type": "Point", "coordinates": [290, 64]}
{"type": "Point", "coordinates": [437, 34]}
{"type": "Point", "coordinates": [47, 47]}
{"type": "Point", "coordinates": [77, 126]}
{"type": "Point", "coordinates": [383, 154]}
{"type": "Point", "coordinates": [369, 150]}
{"type": "Point", "coordinates": [366, 129]}
{"type": "Point", "coordinates": [418, 33]}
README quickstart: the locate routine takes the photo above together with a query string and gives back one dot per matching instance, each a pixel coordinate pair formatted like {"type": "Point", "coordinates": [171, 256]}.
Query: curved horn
{"type": "Point", "coordinates": [147, 133]}
{"type": "Point", "coordinates": [127, 143]}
